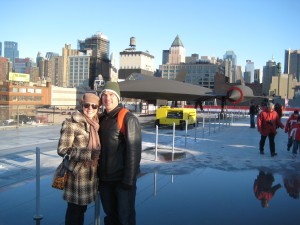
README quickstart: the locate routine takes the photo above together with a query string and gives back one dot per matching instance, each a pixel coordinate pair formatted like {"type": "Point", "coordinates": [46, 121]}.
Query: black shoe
{"type": "Point", "coordinates": [261, 152]}
{"type": "Point", "coordinates": [273, 154]}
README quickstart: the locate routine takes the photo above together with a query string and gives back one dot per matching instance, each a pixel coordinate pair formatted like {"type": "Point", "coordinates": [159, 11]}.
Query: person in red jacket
{"type": "Point", "coordinates": [267, 122]}
{"type": "Point", "coordinates": [288, 127]}
{"type": "Point", "coordinates": [263, 189]}
{"type": "Point", "coordinates": [295, 134]}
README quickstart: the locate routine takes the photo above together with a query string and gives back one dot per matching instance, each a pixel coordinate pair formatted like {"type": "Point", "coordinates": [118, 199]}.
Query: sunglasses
{"type": "Point", "coordinates": [87, 105]}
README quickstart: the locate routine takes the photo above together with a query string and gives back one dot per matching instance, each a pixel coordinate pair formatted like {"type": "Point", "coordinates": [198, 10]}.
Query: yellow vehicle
{"type": "Point", "coordinates": [166, 115]}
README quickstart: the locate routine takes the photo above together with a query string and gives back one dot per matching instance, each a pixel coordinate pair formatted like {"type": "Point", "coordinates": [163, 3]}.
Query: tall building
{"type": "Point", "coordinates": [11, 51]}
{"type": "Point", "coordinates": [165, 56]}
{"type": "Point", "coordinates": [79, 70]}
{"type": "Point", "coordinates": [292, 63]}
{"type": "Point", "coordinates": [23, 65]}
{"type": "Point", "coordinates": [238, 75]}
{"type": "Point", "coordinates": [250, 68]}
{"type": "Point", "coordinates": [39, 57]}
{"type": "Point", "coordinates": [64, 78]}
{"type": "Point", "coordinates": [282, 86]}
{"type": "Point", "coordinates": [177, 52]}
{"type": "Point", "coordinates": [230, 66]}
{"type": "Point", "coordinates": [5, 68]}
{"type": "Point", "coordinates": [133, 61]}
{"type": "Point", "coordinates": [53, 72]}
{"type": "Point", "coordinates": [269, 70]}
{"type": "Point", "coordinates": [230, 55]}
{"type": "Point", "coordinates": [100, 63]}
{"type": "Point", "coordinates": [257, 76]}
{"type": "Point", "coordinates": [0, 49]}
{"type": "Point", "coordinates": [247, 77]}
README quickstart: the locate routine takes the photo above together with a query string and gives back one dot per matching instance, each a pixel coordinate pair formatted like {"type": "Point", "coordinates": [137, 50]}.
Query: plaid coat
{"type": "Point", "coordinates": [81, 186]}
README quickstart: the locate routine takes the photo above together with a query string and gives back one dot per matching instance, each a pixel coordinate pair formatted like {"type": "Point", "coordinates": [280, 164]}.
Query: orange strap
{"type": "Point", "coordinates": [121, 116]}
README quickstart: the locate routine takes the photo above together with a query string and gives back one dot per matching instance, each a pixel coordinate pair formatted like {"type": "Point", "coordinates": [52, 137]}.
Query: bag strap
{"type": "Point", "coordinates": [121, 116]}
{"type": "Point", "coordinates": [66, 162]}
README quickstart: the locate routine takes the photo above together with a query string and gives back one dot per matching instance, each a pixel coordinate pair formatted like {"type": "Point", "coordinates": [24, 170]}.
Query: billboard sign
{"type": "Point", "coordinates": [21, 77]}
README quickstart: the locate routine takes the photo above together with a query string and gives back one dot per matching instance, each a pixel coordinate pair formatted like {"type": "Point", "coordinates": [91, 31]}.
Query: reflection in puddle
{"type": "Point", "coordinates": [292, 185]}
{"type": "Point", "coordinates": [264, 189]}
{"type": "Point", "coordinates": [209, 196]}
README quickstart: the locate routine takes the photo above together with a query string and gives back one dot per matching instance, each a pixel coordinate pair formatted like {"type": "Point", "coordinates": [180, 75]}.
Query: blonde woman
{"type": "Point", "coordinates": [79, 138]}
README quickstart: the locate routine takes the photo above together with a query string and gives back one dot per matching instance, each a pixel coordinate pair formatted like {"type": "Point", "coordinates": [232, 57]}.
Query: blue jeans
{"type": "Point", "coordinates": [296, 146]}
{"type": "Point", "coordinates": [252, 123]}
{"type": "Point", "coordinates": [118, 203]}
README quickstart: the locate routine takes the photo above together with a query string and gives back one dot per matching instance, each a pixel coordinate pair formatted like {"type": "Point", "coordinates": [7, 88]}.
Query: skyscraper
{"type": "Point", "coordinates": [230, 55]}
{"type": "Point", "coordinates": [269, 70]}
{"type": "Point", "coordinates": [100, 63]}
{"type": "Point", "coordinates": [64, 77]}
{"type": "Point", "coordinates": [0, 49]}
{"type": "Point", "coordinates": [292, 63]}
{"type": "Point", "coordinates": [165, 56]}
{"type": "Point", "coordinates": [177, 52]}
{"type": "Point", "coordinates": [257, 76]}
{"type": "Point", "coordinates": [230, 66]}
{"type": "Point", "coordinates": [11, 51]}
{"type": "Point", "coordinates": [250, 68]}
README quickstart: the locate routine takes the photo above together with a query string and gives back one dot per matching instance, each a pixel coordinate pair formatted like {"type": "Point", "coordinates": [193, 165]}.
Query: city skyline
{"type": "Point", "coordinates": [254, 30]}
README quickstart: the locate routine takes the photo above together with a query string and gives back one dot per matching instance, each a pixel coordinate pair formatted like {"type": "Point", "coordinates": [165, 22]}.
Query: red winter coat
{"type": "Point", "coordinates": [295, 132]}
{"type": "Point", "coordinates": [289, 123]}
{"type": "Point", "coordinates": [267, 121]}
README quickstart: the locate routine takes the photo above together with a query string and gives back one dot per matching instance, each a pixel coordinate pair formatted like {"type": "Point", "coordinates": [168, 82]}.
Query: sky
{"type": "Point", "coordinates": [255, 30]}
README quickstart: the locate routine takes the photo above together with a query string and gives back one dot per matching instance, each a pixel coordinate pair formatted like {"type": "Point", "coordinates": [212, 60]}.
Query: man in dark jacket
{"type": "Point", "coordinates": [252, 112]}
{"type": "Point", "coordinates": [119, 159]}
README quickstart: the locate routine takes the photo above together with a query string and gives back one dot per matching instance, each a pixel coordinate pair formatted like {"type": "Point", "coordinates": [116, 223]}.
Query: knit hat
{"type": "Point", "coordinates": [296, 112]}
{"type": "Point", "coordinates": [90, 98]}
{"type": "Point", "coordinates": [112, 87]}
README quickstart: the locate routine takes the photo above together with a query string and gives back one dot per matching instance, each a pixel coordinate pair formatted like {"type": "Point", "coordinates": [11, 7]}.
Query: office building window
{"type": "Point", "coordinates": [4, 98]}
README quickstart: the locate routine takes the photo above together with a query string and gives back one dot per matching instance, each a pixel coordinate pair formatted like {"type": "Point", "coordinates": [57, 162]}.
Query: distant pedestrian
{"type": "Point", "coordinates": [278, 109]}
{"type": "Point", "coordinates": [252, 113]}
{"type": "Point", "coordinates": [288, 127]}
{"type": "Point", "coordinates": [267, 122]}
{"type": "Point", "coordinates": [295, 134]}
{"type": "Point", "coordinates": [263, 189]}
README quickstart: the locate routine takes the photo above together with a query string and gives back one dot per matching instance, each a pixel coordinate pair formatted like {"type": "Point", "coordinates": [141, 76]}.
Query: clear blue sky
{"type": "Point", "coordinates": [255, 30]}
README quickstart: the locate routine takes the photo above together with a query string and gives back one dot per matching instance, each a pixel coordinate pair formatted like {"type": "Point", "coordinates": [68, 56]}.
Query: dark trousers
{"type": "Point", "coordinates": [75, 214]}
{"type": "Point", "coordinates": [118, 203]}
{"type": "Point", "coordinates": [252, 123]}
{"type": "Point", "coordinates": [271, 142]}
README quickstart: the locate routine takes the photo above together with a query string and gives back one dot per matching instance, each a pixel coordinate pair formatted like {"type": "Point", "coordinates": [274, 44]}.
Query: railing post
{"type": "Point", "coordinates": [37, 215]}
{"type": "Point", "coordinates": [156, 142]}
{"type": "Point", "coordinates": [173, 141]}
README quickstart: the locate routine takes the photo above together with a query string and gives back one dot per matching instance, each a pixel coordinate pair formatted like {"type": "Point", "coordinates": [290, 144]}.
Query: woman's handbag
{"type": "Point", "coordinates": [61, 174]}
